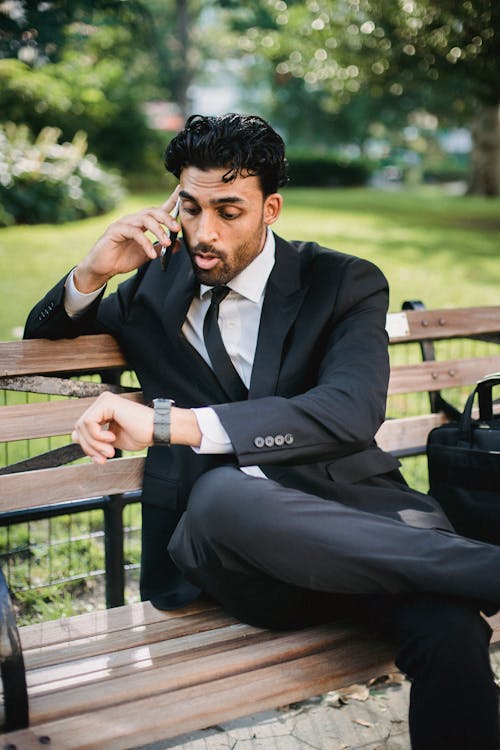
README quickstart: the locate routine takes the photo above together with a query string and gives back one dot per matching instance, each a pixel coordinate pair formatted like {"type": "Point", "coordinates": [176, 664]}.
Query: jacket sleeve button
{"type": "Point", "coordinates": [269, 441]}
{"type": "Point", "coordinates": [259, 442]}
{"type": "Point", "coordinates": [279, 440]}
{"type": "Point", "coordinates": [289, 438]}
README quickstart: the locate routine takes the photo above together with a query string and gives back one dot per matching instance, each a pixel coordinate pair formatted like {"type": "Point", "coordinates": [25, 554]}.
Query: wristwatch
{"type": "Point", "coordinates": [161, 420]}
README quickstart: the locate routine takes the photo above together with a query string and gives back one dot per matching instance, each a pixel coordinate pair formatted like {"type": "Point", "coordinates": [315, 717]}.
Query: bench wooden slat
{"type": "Point", "coordinates": [166, 710]}
{"type": "Point", "coordinates": [185, 641]}
{"type": "Point", "coordinates": [110, 643]}
{"type": "Point", "coordinates": [37, 356]}
{"type": "Point", "coordinates": [232, 659]}
{"type": "Point", "coordinates": [67, 483]}
{"type": "Point", "coordinates": [406, 433]}
{"type": "Point", "coordinates": [443, 323]}
{"type": "Point", "coordinates": [166, 714]}
{"type": "Point", "coordinates": [131, 661]}
{"type": "Point", "coordinates": [410, 433]}
{"type": "Point", "coordinates": [94, 625]}
{"type": "Point", "coordinates": [46, 419]}
{"type": "Point", "coordinates": [435, 376]}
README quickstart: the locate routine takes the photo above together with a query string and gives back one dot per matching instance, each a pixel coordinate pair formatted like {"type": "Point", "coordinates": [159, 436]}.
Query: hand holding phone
{"type": "Point", "coordinates": [164, 258]}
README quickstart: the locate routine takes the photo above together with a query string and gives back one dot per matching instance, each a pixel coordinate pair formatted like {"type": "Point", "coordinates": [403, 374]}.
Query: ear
{"type": "Point", "coordinates": [272, 207]}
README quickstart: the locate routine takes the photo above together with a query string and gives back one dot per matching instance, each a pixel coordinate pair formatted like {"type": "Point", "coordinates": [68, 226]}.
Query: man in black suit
{"type": "Point", "coordinates": [267, 365]}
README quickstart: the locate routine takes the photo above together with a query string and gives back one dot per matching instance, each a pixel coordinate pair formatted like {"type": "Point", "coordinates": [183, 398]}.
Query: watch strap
{"type": "Point", "coordinates": [161, 420]}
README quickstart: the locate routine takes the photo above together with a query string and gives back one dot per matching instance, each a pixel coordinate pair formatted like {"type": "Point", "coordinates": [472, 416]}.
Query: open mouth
{"type": "Point", "coordinates": [206, 262]}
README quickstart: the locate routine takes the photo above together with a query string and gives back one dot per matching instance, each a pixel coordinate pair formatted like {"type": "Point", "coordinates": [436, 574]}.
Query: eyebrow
{"type": "Point", "coordinates": [213, 201]}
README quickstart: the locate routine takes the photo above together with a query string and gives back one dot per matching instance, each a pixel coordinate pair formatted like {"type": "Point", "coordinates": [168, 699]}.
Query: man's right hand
{"type": "Point", "coordinates": [124, 246]}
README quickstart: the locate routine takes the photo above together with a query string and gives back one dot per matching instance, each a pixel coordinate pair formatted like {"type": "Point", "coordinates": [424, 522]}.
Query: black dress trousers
{"type": "Point", "coordinates": [280, 558]}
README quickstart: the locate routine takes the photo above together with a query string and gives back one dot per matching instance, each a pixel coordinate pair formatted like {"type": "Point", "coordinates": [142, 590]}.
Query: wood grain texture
{"type": "Point", "coordinates": [435, 376]}
{"type": "Point", "coordinates": [65, 483]}
{"type": "Point", "coordinates": [465, 322]}
{"type": "Point", "coordinates": [407, 433]}
{"type": "Point", "coordinates": [46, 419]}
{"type": "Point", "coordinates": [248, 672]}
{"type": "Point", "coordinates": [41, 356]}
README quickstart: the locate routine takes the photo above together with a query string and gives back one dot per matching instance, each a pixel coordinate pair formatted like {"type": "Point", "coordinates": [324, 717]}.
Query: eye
{"type": "Point", "coordinates": [229, 215]}
{"type": "Point", "coordinates": [191, 209]}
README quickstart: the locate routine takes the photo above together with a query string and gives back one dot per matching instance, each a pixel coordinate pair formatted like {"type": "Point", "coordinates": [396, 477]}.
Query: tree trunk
{"type": "Point", "coordinates": [184, 70]}
{"type": "Point", "coordinates": [485, 157]}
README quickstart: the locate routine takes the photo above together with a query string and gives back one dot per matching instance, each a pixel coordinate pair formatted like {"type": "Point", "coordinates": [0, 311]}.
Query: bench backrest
{"type": "Point", "coordinates": [36, 366]}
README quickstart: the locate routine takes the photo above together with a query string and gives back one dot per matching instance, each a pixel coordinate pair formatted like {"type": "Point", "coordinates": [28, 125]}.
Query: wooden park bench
{"type": "Point", "coordinates": [130, 675]}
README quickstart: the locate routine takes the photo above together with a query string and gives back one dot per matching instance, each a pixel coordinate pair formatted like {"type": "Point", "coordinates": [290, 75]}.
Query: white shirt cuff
{"type": "Point", "coordinates": [214, 438]}
{"type": "Point", "coordinates": [75, 302]}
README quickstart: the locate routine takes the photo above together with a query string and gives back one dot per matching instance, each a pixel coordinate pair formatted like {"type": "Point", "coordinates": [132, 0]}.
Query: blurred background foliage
{"type": "Point", "coordinates": [43, 181]}
{"type": "Point", "coordinates": [403, 89]}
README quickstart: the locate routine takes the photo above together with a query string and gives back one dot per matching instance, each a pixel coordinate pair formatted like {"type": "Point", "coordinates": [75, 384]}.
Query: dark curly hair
{"type": "Point", "coordinates": [244, 144]}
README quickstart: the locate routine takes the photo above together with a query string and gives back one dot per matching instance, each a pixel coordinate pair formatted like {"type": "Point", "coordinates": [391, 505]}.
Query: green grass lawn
{"type": "Point", "coordinates": [438, 248]}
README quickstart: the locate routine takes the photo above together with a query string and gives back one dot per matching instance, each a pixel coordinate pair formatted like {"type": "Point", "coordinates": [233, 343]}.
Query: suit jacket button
{"type": "Point", "coordinates": [288, 438]}
{"type": "Point", "coordinates": [259, 442]}
{"type": "Point", "coordinates": [279, 440]}
{"type": "Point", "coordinates": [269, 441]}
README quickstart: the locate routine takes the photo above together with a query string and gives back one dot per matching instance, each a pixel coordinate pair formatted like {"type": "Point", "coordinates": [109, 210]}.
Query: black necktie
{"type": "Point", "coordinates": [221, 362]}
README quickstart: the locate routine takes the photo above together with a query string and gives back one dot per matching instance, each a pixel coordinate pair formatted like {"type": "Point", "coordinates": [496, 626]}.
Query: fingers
{"type": "Point", "coordinates": [126, 231]}
{"type": "Point", "coordinates": [113, 422]}
{"type": "Point", "coordinates": [125, 243]}
{"type": "Point", "coordinates": [169, 204]}
{"type": "Point", "coordinates": [153, 220]}
{"type": "Point", "coordinates": [96, 442]}
{"type": "Point", "coordinates": [91, 430]}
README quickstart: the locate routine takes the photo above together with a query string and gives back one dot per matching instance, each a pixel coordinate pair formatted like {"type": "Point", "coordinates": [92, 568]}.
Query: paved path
{"type": "Point", "coordinates": [374, 722]}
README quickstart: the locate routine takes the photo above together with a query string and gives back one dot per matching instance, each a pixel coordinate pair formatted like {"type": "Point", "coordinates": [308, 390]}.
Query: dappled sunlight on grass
{"type": "Point", "coordinates": [440, 248]}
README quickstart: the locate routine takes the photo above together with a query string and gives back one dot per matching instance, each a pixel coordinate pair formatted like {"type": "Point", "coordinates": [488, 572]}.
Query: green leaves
{"type": "Point", "coordinates": [44, 181]}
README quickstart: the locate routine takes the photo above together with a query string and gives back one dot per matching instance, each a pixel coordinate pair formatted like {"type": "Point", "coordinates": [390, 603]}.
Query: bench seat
{"type": "Point", "coordinates": [132, 675]}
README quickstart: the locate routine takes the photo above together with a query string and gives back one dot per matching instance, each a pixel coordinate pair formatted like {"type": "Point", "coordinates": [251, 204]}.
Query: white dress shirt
{"type": "Point", "coordinates": [239, 319]}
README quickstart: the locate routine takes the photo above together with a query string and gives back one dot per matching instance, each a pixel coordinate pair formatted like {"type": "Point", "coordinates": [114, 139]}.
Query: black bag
{"type": "Point", "coordinates": [464, 467]}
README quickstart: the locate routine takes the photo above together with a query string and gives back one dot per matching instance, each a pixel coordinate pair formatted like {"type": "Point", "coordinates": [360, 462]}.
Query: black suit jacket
{"type": "Point", "coordinates": [317, 393]}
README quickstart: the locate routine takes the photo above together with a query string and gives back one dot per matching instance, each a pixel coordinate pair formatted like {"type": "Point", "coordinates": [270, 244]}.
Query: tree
{"type": "Point", "coordinates": [449, 54]}
{"type": "Point", "coordinates": [436, 55]}
{"type": "Point", "coordinates": [86, 65]}
{"type": "Point", "coordinates": [35, 32]}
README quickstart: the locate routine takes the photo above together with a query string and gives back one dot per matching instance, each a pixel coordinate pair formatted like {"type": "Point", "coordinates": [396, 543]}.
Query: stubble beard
{"type": "Point", "coordinates": [224, 271]}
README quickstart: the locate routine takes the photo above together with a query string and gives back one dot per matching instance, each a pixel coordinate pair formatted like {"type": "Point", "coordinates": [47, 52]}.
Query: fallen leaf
{"type": "Point", "coordinates": [356, 692]}
{"type": "Point", "coordinates": [333, 699]}
{"type": "Point", "coordinates": [362, 722]}
{"type": "Point", "coordinates": [394, 678]}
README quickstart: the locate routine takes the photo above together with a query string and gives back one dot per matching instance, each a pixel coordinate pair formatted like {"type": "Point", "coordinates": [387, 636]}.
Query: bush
{"type": "Point", "coordinates": [447, 170]}
{"type": "Point", "coordinates": [79, 93]}
{"type": "Point", "coordinates": [43, 181]}
{"type": "Point", "coordinates": [310, 169]}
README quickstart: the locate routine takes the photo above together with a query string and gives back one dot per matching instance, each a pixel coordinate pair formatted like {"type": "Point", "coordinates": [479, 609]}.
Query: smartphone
{"type": "Point", "coordinates": [164, 255]}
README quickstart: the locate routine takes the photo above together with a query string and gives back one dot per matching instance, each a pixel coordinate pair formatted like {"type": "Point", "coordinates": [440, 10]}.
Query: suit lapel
{"type": "Point", "coordinates": [281, 304]}
{"type": "Point", "coordinates": [179, 294]}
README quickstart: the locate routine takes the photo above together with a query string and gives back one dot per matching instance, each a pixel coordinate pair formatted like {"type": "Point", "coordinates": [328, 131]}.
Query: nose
{"type": "Point", "coordinates": [206, 229]}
